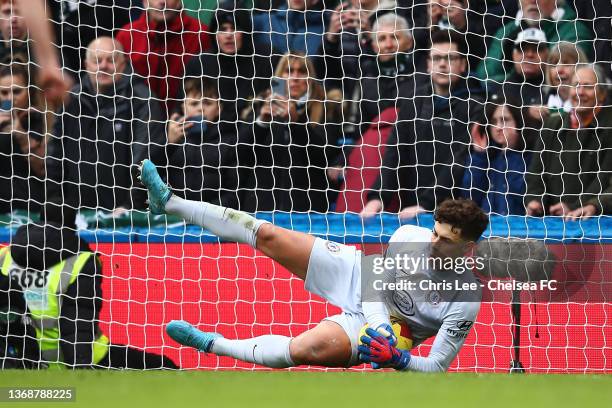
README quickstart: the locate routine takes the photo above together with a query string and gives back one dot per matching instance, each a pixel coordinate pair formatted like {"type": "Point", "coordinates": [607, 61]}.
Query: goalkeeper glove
{"type": "Point", "coordinates": [378, 350]}
{"type": "Point", "coordinates": [387, 331]}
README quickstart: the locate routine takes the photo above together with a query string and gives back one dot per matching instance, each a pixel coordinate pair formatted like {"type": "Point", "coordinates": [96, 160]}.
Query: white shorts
{"type": "Point", "coordinates": [334, 273]}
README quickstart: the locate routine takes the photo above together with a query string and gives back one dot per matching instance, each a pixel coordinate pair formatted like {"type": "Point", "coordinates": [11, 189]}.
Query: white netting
{"type": "Point", "coordinates": [330, 112]}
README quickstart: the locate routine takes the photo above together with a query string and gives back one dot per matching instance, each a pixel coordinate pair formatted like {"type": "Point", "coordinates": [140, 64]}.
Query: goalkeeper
{"type": "Point", "coordinates": [333, 271]}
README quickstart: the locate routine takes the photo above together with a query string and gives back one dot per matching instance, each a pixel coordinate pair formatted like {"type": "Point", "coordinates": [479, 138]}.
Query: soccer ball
{"type": "Point", "coordinates": [401, 331]}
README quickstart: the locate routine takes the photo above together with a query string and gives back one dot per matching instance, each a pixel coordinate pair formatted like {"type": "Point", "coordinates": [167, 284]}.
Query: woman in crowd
{"type": "Point", "coordinates": [562, 61]}
{"type": "Point", "coordinates": [290, 142]}
{"type": "Point", "coordinates": [495, 169]}
{"type": "Point", "coordinates": [241, 69]}
{"type": "Point", "coordinates": [23, 129]}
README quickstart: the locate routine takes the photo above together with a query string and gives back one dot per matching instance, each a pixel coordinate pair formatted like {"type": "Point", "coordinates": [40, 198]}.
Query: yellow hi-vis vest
{"type": "Point", "coordinates": [42, 291]}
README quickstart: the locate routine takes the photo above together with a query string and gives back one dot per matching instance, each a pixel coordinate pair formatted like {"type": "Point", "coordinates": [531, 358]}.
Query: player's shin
{"type": "Point", "coordinates": [226, 223]}
{"type": "Point", "coordinates": [270, 351]}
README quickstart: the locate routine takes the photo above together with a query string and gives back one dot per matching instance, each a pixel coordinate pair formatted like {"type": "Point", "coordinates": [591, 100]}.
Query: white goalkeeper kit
{"type": "Point", "coordinates": [334, 273]}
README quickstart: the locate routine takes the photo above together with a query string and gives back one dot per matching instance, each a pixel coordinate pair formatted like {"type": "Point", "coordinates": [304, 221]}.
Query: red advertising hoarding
{"type": "Point", "coordinates": [233, 290]}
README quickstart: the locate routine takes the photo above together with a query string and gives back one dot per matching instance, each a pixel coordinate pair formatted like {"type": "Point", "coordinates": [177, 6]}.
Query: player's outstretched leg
{"type": "Point", "coordinates": [325, 345]}
{"type": "Point", "coordinates": [226, 223]}
{"type": "Point", "coordinates": [289, 248]}
{"type": "Point", "coordinates": [270, 351]}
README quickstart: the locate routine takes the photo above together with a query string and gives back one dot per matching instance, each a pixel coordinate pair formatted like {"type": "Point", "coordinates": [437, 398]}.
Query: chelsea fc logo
{"type": "Point", "coordinates": [332, 247]}
{"type": "Point", "coordinates": [434, 298]}
{"type": "Point", "coordinates": [404, 303]}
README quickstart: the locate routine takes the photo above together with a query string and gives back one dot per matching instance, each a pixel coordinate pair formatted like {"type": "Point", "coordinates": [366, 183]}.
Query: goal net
{"type": "Point", "coordinates": [344, 120]}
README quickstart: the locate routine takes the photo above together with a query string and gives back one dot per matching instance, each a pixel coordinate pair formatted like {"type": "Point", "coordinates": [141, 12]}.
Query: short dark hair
{"type": "Point", "coordinates": [19, 67]}
{"type": "Point", "coordinates": [465, 215]}
{"type": "Point", "coordinates": [449, 36]}
{"type": "Point", "coordinates": [497, 100]}
{"type": "Point", "coordinates": [205, 87]}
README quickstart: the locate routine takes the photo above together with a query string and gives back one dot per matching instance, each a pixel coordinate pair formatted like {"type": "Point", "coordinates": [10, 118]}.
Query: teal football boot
{"type": "Point", "coordinates": [159, 192]}
{"type": "Point", "coordinates": [186, 334]}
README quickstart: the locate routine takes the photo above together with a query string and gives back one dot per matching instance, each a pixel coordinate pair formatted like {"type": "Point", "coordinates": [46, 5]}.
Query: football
{"type": "Point", "coordinates": [401, 331]}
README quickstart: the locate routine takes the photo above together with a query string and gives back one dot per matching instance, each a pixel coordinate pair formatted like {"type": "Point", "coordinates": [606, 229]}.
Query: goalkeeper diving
{"type": "Point", "coordinates": [333, 271]}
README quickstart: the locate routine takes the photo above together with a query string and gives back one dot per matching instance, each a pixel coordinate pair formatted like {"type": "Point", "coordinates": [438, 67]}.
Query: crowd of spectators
{"type": "Point", "coordinates": [315, 105]}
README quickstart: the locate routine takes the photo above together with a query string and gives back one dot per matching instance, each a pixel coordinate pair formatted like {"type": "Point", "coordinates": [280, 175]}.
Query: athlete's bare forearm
{"type": "Point", "coordinates": [33, 12]}
{"type": "Point", "coordinates": [50, 79]}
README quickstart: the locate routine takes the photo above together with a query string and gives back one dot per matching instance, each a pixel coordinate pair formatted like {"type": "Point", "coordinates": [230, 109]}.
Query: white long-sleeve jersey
{"type": "Point", "coordinates": [448, 316]}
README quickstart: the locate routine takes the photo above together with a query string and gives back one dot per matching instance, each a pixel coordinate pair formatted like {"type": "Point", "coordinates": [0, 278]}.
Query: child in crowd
{"type": "Point", "coordinates": [495, 169]}
{"type": "Point", "coordinates": [202, 147]}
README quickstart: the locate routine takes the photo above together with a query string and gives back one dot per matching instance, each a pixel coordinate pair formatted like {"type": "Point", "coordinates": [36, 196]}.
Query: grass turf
{"type": "Point", "coordinates": [315, 389]}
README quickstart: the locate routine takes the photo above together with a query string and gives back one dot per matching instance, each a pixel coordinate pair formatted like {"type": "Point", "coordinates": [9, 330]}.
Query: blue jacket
{"type": "Point", "coordinates": [290, 30]}
{"type": "Point", "coordinates": [496, 181]}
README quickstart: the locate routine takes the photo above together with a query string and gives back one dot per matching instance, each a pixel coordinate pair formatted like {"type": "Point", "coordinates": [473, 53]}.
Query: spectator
{"type": "Point", "coordinates": [494, 176]}
{"type": "Point", "coordinates": [571, 172]}
{"type": "Point", "coordinates": [346, 40]}
{"type": "Point", "coordinates": [297, 26]}
{"type": "Point", "coordinates": [108, 126]}
{"type": "Point", "coordinates": [56, 277]}
{"type": "Point", "coordinates": [562, 61]}
{"type": "Point", "coordinates": [526, 82]}
{"type": "Point", "coordinates": [426, 152]}
{"type": "Point", "coordinates": [393, 69]}
{"type": "Point", "coordinates": [394, 64]}
{"type": "Point", "coordinates": [77, 23]}
{"type": "Point", "coordinates": [202, 147]}
{"type": "Point", "coordinates": [290, 144]}
{"type": "Point", "coordinates": [23, 141]}
{"type": "Point", "coordinates": [160, 44]}
{"type": "Point", "coordinates": [14, 33]}
{"type": "Point", "coordinates": [457, 16]}
{"type": "Point", "coordinates": [242, 70]}
{"type": "Point", "coordinates": [557, 23]}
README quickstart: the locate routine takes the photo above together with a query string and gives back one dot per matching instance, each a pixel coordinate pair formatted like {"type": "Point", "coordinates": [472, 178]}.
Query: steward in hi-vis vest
{"type": "Point", "coordinates": [49, 289]}
{"type": "Point", "coordinates": [60, 280]}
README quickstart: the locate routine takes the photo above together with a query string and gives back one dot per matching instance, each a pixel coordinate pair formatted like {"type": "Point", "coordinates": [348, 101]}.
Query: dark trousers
{"type": "Point", "coordinates": [120, 356]}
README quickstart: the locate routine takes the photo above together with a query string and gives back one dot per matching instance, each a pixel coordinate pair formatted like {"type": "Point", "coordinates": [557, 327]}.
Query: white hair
{"type": "Point", "coordinates": [90, 53]}
{"type": "Point", "coordinates": [399, 23]}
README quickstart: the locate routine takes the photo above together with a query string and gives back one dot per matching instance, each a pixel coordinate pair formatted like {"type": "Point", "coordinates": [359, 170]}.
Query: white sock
{"type": "Point", "coordinates": [226, 223]}
{"type": "Point", "coordinates": [270, 351]}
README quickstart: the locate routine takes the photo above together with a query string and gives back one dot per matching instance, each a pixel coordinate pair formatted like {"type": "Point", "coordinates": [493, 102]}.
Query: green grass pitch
{"type": "Point", "coordinates": [203, 389]}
